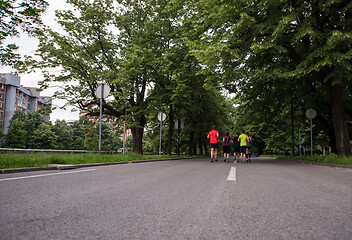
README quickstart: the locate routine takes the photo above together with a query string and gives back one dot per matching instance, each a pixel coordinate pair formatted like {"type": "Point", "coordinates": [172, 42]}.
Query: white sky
{"type": "Point", "coordinates": [27, 46]}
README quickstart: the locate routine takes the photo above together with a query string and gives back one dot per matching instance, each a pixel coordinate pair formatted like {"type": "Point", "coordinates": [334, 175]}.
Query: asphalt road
{"type": "Point", "coordinates": [183, 199]}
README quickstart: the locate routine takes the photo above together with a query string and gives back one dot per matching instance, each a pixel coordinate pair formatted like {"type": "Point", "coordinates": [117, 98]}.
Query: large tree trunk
{"type": "Point", "coordinates": [205, 147]}
{"type": "Point", "coordinates": [171, 130]}
{"type": "Point", "coordinates": [194, 148]}
{"type": "Point", "coordinates": [191, 143]}
{"type": "Point", "coordinates": [328, 128]}
{"type": "Point", "coordinates": [339, 120]}
{"type": "Point", "coordinates": [137, 134]}
{"type": "Point", "coordinates": [200, 143]}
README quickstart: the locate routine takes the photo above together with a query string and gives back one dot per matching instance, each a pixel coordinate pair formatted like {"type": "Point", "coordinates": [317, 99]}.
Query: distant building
{"type": "Point", "coordinates": [13, 96]}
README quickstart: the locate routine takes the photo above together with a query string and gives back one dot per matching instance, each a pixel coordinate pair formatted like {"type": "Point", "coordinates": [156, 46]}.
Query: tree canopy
{"type": "Point", "coordinates": [16, 16]}
{"type": "Point", "coordinates": [182, 57]}
{"type": "Point", "coordinates": [280, 55]}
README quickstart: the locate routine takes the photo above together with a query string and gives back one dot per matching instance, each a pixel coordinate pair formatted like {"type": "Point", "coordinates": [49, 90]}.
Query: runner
{"type": "Point", "coordinates": [214, 140]}
{"type": "Point", "coordinates": [249, 147]}
{"type": "Point", "coordinates": [227, 146]}
{"type": "Point", "coordinates": [243, 143]}
{"type": "Point", "coordinates": [236, 149]}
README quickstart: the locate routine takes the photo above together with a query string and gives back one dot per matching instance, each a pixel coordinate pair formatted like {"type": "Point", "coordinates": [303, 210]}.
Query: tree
{"type": "Point", "coordinates": [280, 46]}
{"type": "Point", "coordinates": [15, 15]}
{"type": "Point", "coordinates": [16, 135]}
{"type": "Point", "coordinates": [106, 42]}
{"type": "Point", "coordinates": [43, 137]}
{"type": "Point", "coordinates": [64, 134]}
{"type": "Point", "coordinates": [147, 144]}
{"type": "Point", "coordinates": [91, 141]}
{"type": "Point", "coordinates": [117, 143]}
{"type": "Point", "coordinates": [79, 129]}
{"type": "Point", "coordinates": [31, 123]}
{"type": "Point", "coordinates": [2, 134]}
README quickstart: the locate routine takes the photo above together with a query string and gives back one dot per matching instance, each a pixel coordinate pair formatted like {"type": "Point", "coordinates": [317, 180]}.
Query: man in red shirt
{"type": "Point", "coordinates": [214, 140]}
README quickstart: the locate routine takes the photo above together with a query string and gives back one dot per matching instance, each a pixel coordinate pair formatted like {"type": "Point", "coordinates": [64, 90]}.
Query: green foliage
{"type": "Point", "coordinates": [147, 144]}
{"type": "Point", "coordinates": [129, 143]}
{"type": "Point", "coordinates": [64, 135]}
{"type": "Point", "coordinates": [117, 141]}
{"type": "Point", "coordinates": [82, 134]}
{"type": "Point", "coordinates": [16, 135]}
{"type": "Point", "coordinates": [44, 137]}
{"type": "Point", "coordinates": [134, 48]}
{"type": "Point", "coordinates": [277, 53]}
{"type": "Point", "coordinates": [79, 129]}
{"type": "Point", "coordinates": [91, 141]}
{"type": "Point", "coordinates": [2, 134]}
{"type": "Point", "coordinates": [19, 115]}
{"type": "Point", "coordinates": [15, 16]}
{"type": "Point", "coordinates": [32, 122]}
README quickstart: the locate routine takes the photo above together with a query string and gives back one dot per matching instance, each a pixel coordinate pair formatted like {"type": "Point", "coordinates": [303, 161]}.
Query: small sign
{"type": "Point", "coordinates": [161, 116]}
{"type": "Point", "coordinates": [106, 90]}
{"type": "Point", "coordinates": [311, 113]}
{"type": "Point", "coordinates": [182, 124]}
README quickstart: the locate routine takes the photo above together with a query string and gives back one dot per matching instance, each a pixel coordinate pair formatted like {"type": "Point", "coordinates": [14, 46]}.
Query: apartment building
{"type": "Point", "coordinates": [13, 96]}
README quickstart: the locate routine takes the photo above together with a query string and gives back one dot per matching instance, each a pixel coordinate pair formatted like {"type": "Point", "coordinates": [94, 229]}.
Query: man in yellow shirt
{"type": "Point", "coordinates": [243, 144]}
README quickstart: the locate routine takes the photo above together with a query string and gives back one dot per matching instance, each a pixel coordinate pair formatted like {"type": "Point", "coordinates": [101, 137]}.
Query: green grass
{"type": "Point", "coordinates": [329, 158]}
{"type": "Point", "coordinates": [24, 160]}
{"type": "Point", "coordinates": [270, 155]}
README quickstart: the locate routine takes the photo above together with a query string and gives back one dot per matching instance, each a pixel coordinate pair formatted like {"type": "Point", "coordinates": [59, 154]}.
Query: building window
{"type": "Point", "coordinates": [22, 100]}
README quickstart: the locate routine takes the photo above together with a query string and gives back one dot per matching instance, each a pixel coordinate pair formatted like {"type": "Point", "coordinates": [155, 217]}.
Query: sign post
{"type": "Point", "coordinates": [161, 118]}
{"type": "Point", "coordinates": [101, 92]}
{"type": "Point", "coordinates": [311, 113]}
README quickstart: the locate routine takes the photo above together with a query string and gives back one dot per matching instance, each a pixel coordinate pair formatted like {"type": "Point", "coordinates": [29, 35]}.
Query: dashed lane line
{"type": "Point", "coordinates": [232, 174]}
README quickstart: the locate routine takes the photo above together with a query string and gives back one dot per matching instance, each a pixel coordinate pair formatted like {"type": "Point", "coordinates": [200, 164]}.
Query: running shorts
{"type": "Point", "coordinates": [214, 145]}
{"type": "Point", "coordinates": [226, 149]}
{"type": "Point", "coordinates": [243, 149]}
{"type": "Point", "coordinates": [236, 149]}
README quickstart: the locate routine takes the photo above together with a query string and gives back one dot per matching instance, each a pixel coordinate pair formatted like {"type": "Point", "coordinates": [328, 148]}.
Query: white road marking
{"type": "Point", "coordinates": [232, 175]}
{"type": "Point", "coordinates": [45, 175]}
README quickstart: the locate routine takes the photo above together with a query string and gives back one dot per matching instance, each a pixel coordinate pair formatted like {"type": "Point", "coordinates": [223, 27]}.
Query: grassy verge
{"type": "Point", "coordinates": [17, 160]}
{"type": "Point", "coordinates": [270, 155]}
{"type": "Point", "coordinates": [330, 158]}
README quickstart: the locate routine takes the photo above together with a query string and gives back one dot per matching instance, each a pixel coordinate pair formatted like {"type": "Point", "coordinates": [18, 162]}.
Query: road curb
{"type": "Point", "coordinates": [317, 163]}
{"type": "Point", "coordinates": [75, 166]}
